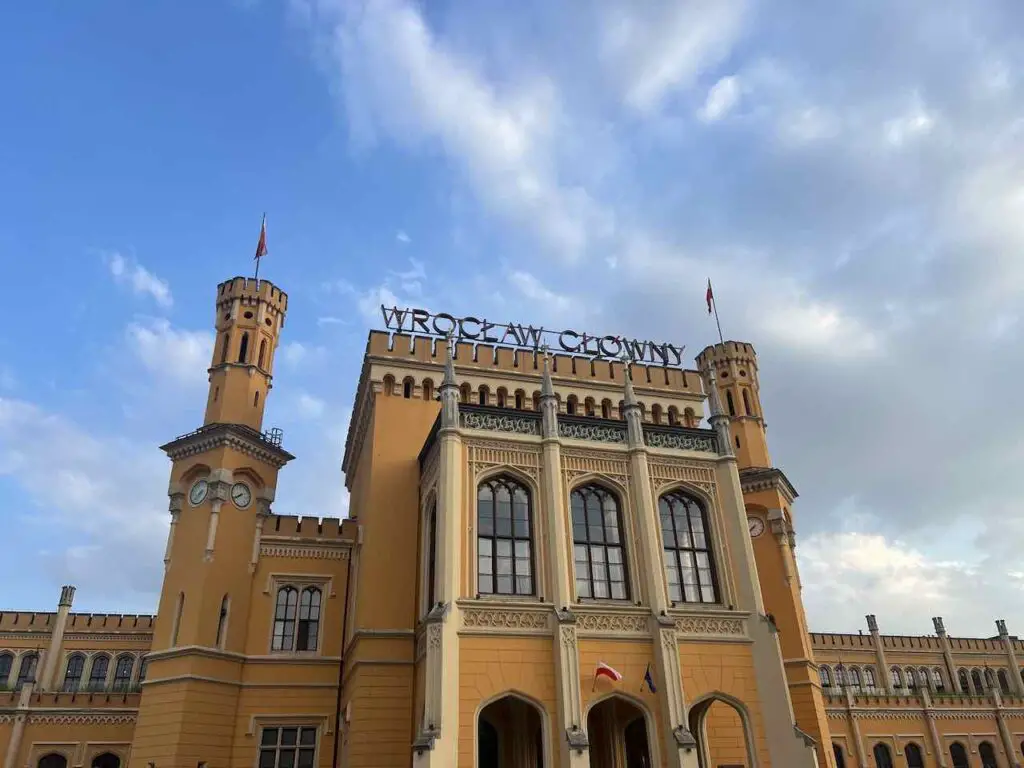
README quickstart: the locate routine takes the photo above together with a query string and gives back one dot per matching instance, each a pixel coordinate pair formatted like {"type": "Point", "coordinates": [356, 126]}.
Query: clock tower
{"type": "Point", "coordinates": [223, 479]}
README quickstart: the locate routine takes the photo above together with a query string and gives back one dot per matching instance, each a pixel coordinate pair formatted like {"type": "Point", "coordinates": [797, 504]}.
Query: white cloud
{"type": "Point", "coordinates": [532, 288]}
{"type": "Point", "coordinates": [102, 492]}
{"type": "Point", "coordinates": [308, 406]}
{"type": "Point", "coordinates": [722, 97]}
{"type": "Point", "coordinates": [915, 122]}
{"type": "Point", "coordinates": [141, 281]}
{"type": "Point", "coordinates": [296, 354]}
{"type": "Point", "coordinates": [659, 48]}
{"type": "Point", "coordinates": [179, 356]}
{"type": "Point", "coordinates": [399, 79]}
{"type": "Point", "coordinates": [402, 237]}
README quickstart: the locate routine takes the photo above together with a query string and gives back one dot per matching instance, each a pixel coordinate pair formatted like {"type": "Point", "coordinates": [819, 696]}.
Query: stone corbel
{"type": "Point", "coordinates": [577, 739]}
{"type": "Point", "coordinates": [264, 498]}
{"type": "Point", "coordinates": [220, 487]}
{"type": "Point", "coordinates": [770, 621]}
{"type": "Point", "coordinates": [809, 741]}
{"type": "Point", "coordinates": [684, 739]}
{"type": "Point", "coordinates": [424, 740]}
{"type": "Point", "coordinates": [565, 616]}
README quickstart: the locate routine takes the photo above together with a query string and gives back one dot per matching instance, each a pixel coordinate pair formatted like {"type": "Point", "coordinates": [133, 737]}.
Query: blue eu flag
{"type": "Point", "coordinates": [649, 680]}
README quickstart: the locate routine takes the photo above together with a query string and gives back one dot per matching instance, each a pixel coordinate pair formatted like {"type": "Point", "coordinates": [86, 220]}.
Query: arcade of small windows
{"type": "Point", "coordinates": [520, 400]}
{"type": "Point", "coordinates": [296, 619]}
{"type": "Point", "coordinates": [57, 760]}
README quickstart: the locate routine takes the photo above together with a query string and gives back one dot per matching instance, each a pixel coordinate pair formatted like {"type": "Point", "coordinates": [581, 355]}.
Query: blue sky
{"type": "Point", "coordinates": [850, 179]}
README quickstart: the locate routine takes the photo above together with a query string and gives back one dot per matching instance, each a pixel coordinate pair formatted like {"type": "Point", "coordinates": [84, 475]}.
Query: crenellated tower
{"type": "Point", "coordinates": [729, 370]}
{"type": "Point", "coordinates": [249, 320]}
{"type": "Point", "coordinates": [223, 480]}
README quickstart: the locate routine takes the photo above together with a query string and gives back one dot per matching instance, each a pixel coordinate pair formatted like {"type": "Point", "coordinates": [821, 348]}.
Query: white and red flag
{"type": "Point", "coordinates": [606, 670]}
{"type": "Point", "coordinates": [261, 246]}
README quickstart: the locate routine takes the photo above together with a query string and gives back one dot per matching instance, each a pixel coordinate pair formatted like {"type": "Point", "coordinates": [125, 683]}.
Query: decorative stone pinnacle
{"type": "Point", "coordinates": [449, 363]}
{"type": "Point", "coordinates": [547, 389]}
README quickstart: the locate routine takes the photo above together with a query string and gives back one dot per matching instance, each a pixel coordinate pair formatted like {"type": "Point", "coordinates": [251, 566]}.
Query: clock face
{"type": "Point", "coordinates": [198, 492]}
{"type": "Point", "coordinates": [756, 526]}
{"type": "Point", "coordinates": [241, 495]}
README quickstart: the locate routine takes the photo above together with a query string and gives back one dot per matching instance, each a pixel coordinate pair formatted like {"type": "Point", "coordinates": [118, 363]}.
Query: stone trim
{"type": "Point", "coordinates": [516, 618]}
{"type": "Point", "coordinates": [755, 479]}
{"type": "Point", "coordinates": [141, 637]}
{"type": "Point", "coordinates": [64, 717]}
{"type": "Point", "coordinates": [311, 552]}
{"type": "Point", "coordinates": [243, 439]}
{"type": "Point", "coordinates": [592, 622]}
{"type": "Point", "coordinates": [731, 627]}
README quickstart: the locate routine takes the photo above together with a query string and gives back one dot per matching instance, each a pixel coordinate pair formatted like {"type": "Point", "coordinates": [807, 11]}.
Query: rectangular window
{"type": "Point", "coordinates": [292, 747]}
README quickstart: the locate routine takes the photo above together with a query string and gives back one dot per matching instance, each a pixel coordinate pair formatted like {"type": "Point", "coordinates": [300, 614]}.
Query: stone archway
{"type": "Point", "coordinates": [510, 734]}
{"type": "Point", "coordinates": [106, 760]}
{"type": "Point", "coordinates": [617, 731]}
{"type": "Point", "coordinates": [721, 725]}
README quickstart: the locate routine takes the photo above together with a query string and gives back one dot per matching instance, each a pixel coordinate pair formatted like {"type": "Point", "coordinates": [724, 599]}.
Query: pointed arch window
{"type": "Point", "coordinates": [958, 755]}
{"type": "Point", "coordinates": [407, 385]}
{"type": "Point", "coordinates": [937, 682]}
{"type": "Point", "coordinates": [837, 751]}
{"type": "Point", "coordinates": [606, 409]}
{"type": "Point", "coordinates": [598, 549]}
{"type": "Point", "coordinates": [883, 757]}
{"type": "Point", "coordinates": [979, 687]}
{"type": "Point", "coordinates": [225, 342]}
{"type": "Point", "coordinates": [897, 677]}
{"type": "Point", "coordinates": [746, 403]}
{"type": "Point", "coordinates": [987, 753]}
{"type": "Point", "coordinates": [432, 557]}
{"type": "Point", "coordinates": [53, 760]}
{"type": "Point", "coordinates": [1004, 681]}
{"type": "Point", "coordinates": [686, 540]}
{"type": "Point", "coordinates": [27, 669]}
{"type": "Point", "coordinates": [123, 672]}
{"type": "Point", "coordinates": [914, 757]}
{"type": "Point", "coordinates": [964, 680]}
{"type": "Point", "coordinates": [869, 677]}
{"type": "Point", "coordinates": [855, 679]}
{"type": "Point", "coordinates": [6, 662]}
{"type": "Point", "coordinates": [309, 620]}
{"type": "Point", "coordinates": [263, 353]}
{"type": "Point", "coordinates": [222, 621]}
{"type": "Point", "coordinates": [98, 672]}
{"type": "Point", "coordinates": [504, 538]}
{"type": "Point", "coordinates": [73, 672]}
{"type": "Point", "coordinates": [825, 676]}
{"type": "Point", "coordinates": [243, 349]}
{"type": "Point", "coordinates": [284, 618]}
{"type": "Point", "coordinates": [911, 678]}
{"type": "Point", "coordinates": [729, 402]}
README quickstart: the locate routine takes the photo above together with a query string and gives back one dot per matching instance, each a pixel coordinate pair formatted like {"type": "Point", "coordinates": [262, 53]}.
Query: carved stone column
{"type": "Point", "coordinates": [858, 739]}
{"type": "Point", "coordinates": [18, 731]}
{"type": "Point", "coordinates": [947, 654]}
{"type": "Point", "coordinates": [177, 501]}
{"type": "Point", "coordinates": [570, 734]}
{"type": "Point", "coordinates": [220, 487]}
{"type": "Point", "coordinates": [49, 669]}
{"type": "Point", "coordinates": [933, 731]}
{"type": "Point", "coordinates": [883, 666]}
{"type": "Point", "coordinates": [437, 744]}
{"type": "Point", "coordinates": [1016, 683]}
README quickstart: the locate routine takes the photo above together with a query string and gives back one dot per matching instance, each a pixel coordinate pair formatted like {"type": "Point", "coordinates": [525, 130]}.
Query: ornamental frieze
{"type": "Point", "coordinates": [499, 619]}
{"type": "Point", "coordinates": [611, 623]}
{"type": "Point", "coordinates": [596, 433]}
{"type": "Point", "coordinates": [493, 422]}
{"type": "Point", "coordinates": [311, 553]}
{"type": "Point", "coordinates": [609, 464]}
{"type": "Point", "coordinates": [917, 713]}
{"type": "Point", "coordinates": [711, 625]}
{"type": "Point", "coordinates": [68, 718]}
{"type": "Point", "coordinates": [486, 454]}
{"type": "Point", "coordinates": [679, 440]}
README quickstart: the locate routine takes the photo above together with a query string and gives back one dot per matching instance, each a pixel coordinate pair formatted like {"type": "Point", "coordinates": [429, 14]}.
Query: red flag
{"type": "Point", "coordinates": [604, 670]}
{"type": "Point", "coordinates": [710, 297]}
{"type": "Point", "coordinates": [261, 246]}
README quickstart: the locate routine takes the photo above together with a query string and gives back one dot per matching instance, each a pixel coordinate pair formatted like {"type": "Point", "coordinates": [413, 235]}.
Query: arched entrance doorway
{"type": "Point", "coordinates": [721, 725]}
{"type": "Point", "coordinates": [617, 731]}
{"type": "Point", "coordinates": [106, 760]}
{"type": "Point", "coordinates": [510, 734]}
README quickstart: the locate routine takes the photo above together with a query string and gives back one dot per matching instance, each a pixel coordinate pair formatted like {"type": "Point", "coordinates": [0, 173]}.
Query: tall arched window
{"type": "Point", "coordinates": [504, 538]}
{"type": "Point", "coordinates": [869, 677]}
{"type": "Point", "coordinates": [589, 407]}
{"type": "Point", "coordinates": [484, 394]}
{"type": "Point", "coordinates": [225, 341]}
{"type": "Point", "coordinates": [990, 679]}
{"type": "Point", "coordinates": [6, 662]}
{"type": "Point", "coordinates": [746, 403]}
{"type": "Point", "coordinates": [687, 544]}
{"type": "Point", "coordinates": [673, 416]}
{"type": "Point", "coordinates": [841, 676]}
{"type": "Point", "coordinates": [837, 751]}
{"type": "Point", "coordinates": [432, 557]}
{"type": "Point", "coordinates": [689, 418]}
{"type": "Point", "coordinates": [123, 671]}
{"type": "Point", "coordinates": [987, 753]}
{"type": "Point", "coordinates": [911, 678]}
{"type": "Point", "coordinates": [1004, 681]}
{"type": "Point", "coordinates": [309, 620]}
{"type": "Point", "coordinates": [570, 405]}
{"type": "Point", "coordinates": [502, 395]}
{"type": "Point", "coordinates": [979, 687]}
{"type": "Point", "coordinates": [263, 353]}
{"type": "Point", "coordinates": [407, 385]}
{"type": "Point", "coordinates": [284, 618]}
{"type": "Point", "coordinates": [883, 757]}
{"type": "Point", "coordinates": [243, 349]}
{"type": "Point", "coordinates": [606, 409]}
{"type": "Point", "coordinates": [731, 404]}
{"type": "Point", "coordinates": [964, 680]}
{"type": "Point", "coordinates": [958, 755]}
{"type": "Point", "coordinates": [464, 393]}
{"type": "Point", "coordinates": [179, 609]}
{"type": "Point", "coordinates": [27, 669]}
{"type": "Point", "coordinates": [897, 677]}
{"type": "Point", "coordinates": [914, 757]}
{"type": "Point", "coordinates": [98, 672]}
{"type": "Point", "coordinates": [825, 675]}
{"type": "Point", "coordinates": [428, 390]}
{"type": "Point", "coordinates": [656, 414]}
{"type": "Point", "coordinates": [937, 682]}
{"type": "Point", "coordinates": [855, 679]}
{"type": "Point", "coordinates": [73, 672]}
{"type": "Point", "coordinates": [520, 396]}
{"type": "Point", "coordinates": [222, 621]}
{"type": "Point", "coordinates": [598, 544]}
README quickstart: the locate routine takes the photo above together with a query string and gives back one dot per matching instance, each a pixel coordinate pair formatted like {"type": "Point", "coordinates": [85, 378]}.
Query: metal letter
{"type": "Point", "coordinates": [637, 350]}
{"type": "Point", "coordinates": [604, 349]}
{"type": "Point", "coordinates": [395, 319]}
{"type": "Point", "coordinates": [463, 333]}
{"type": "Point", "coordinates": [444, 316]}
{"type": "Point", "coordinates": [513, 331]}
{"type": "Point", "coordinates": [487, 337]}
{"type": "Point", "coordinates": [420, 317]}
{"type": "Point", "coordinates": [566, 347]}
{"type": "Point", "coordinates": [677, 351]}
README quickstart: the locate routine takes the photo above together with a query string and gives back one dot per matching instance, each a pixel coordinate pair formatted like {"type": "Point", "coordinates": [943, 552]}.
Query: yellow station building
{"type": "Point", "coordinates": [519, 521]}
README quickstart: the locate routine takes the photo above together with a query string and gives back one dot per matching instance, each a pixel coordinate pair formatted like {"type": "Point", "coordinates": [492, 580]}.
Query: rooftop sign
{"type": "Point", "coordinates": [471, 329]}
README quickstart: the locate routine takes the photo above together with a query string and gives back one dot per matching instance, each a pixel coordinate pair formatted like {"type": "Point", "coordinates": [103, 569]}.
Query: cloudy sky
{"type": "Point", "coordinates": [851, 178]}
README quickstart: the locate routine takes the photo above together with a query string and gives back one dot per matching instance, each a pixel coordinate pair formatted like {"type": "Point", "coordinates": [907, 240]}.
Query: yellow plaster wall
{"type": "Point", "coordinates": [381, 727]}
{"type": "Point", "coordinates": [724, 729]}
{"type": "Point", "coordinates": [79, 742]}
{"type": "Point", "coordinates": [491, 666]}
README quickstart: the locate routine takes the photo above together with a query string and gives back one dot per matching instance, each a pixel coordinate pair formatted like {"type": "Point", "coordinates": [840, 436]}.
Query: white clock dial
{"type": "Point", "coordinates": [756, 526]}
{"type": "Point", "coordinates": [241, 495]}
{"type": "Point", "coordinates": [198, 492]}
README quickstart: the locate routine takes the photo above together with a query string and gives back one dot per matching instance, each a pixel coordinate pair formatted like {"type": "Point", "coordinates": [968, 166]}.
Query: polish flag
{"type": "Point", "coordinates": [603, 670]}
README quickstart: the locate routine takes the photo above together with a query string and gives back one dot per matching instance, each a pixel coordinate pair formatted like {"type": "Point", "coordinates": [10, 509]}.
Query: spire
{"type": "Point", "coordinates": [719, 421]}
{"type": "Point", "coordinates": [631, 411]}
{"type": "Point", "coordinates": [548, 400]}
{"type": "Point", "coordinates": [449, 391]}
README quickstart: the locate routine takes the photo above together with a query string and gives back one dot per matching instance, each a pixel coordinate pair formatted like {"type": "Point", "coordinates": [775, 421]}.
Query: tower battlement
{"type": "Point", "coordinates": [498, 358]}
{"type": "Point", "coordinates": [250, 291]}
{"type": "Point", "coordinates": [727, 352]}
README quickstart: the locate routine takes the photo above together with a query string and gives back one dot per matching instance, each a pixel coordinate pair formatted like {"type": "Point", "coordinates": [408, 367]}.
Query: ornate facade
{"type": "Point", "coordinates": [549, 561]}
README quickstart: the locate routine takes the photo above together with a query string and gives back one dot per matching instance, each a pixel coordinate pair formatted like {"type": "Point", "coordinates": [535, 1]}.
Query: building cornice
{"type": "Point", "coordinates": [237, 436]}
{"type": "Point", "coordinates": [753, 479]}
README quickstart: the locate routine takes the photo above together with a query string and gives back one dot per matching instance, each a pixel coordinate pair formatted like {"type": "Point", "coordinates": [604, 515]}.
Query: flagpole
{"type": "Point", "coordinates": [259, 255]}
{"type": "Point", "coordinates": [714, 303]}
